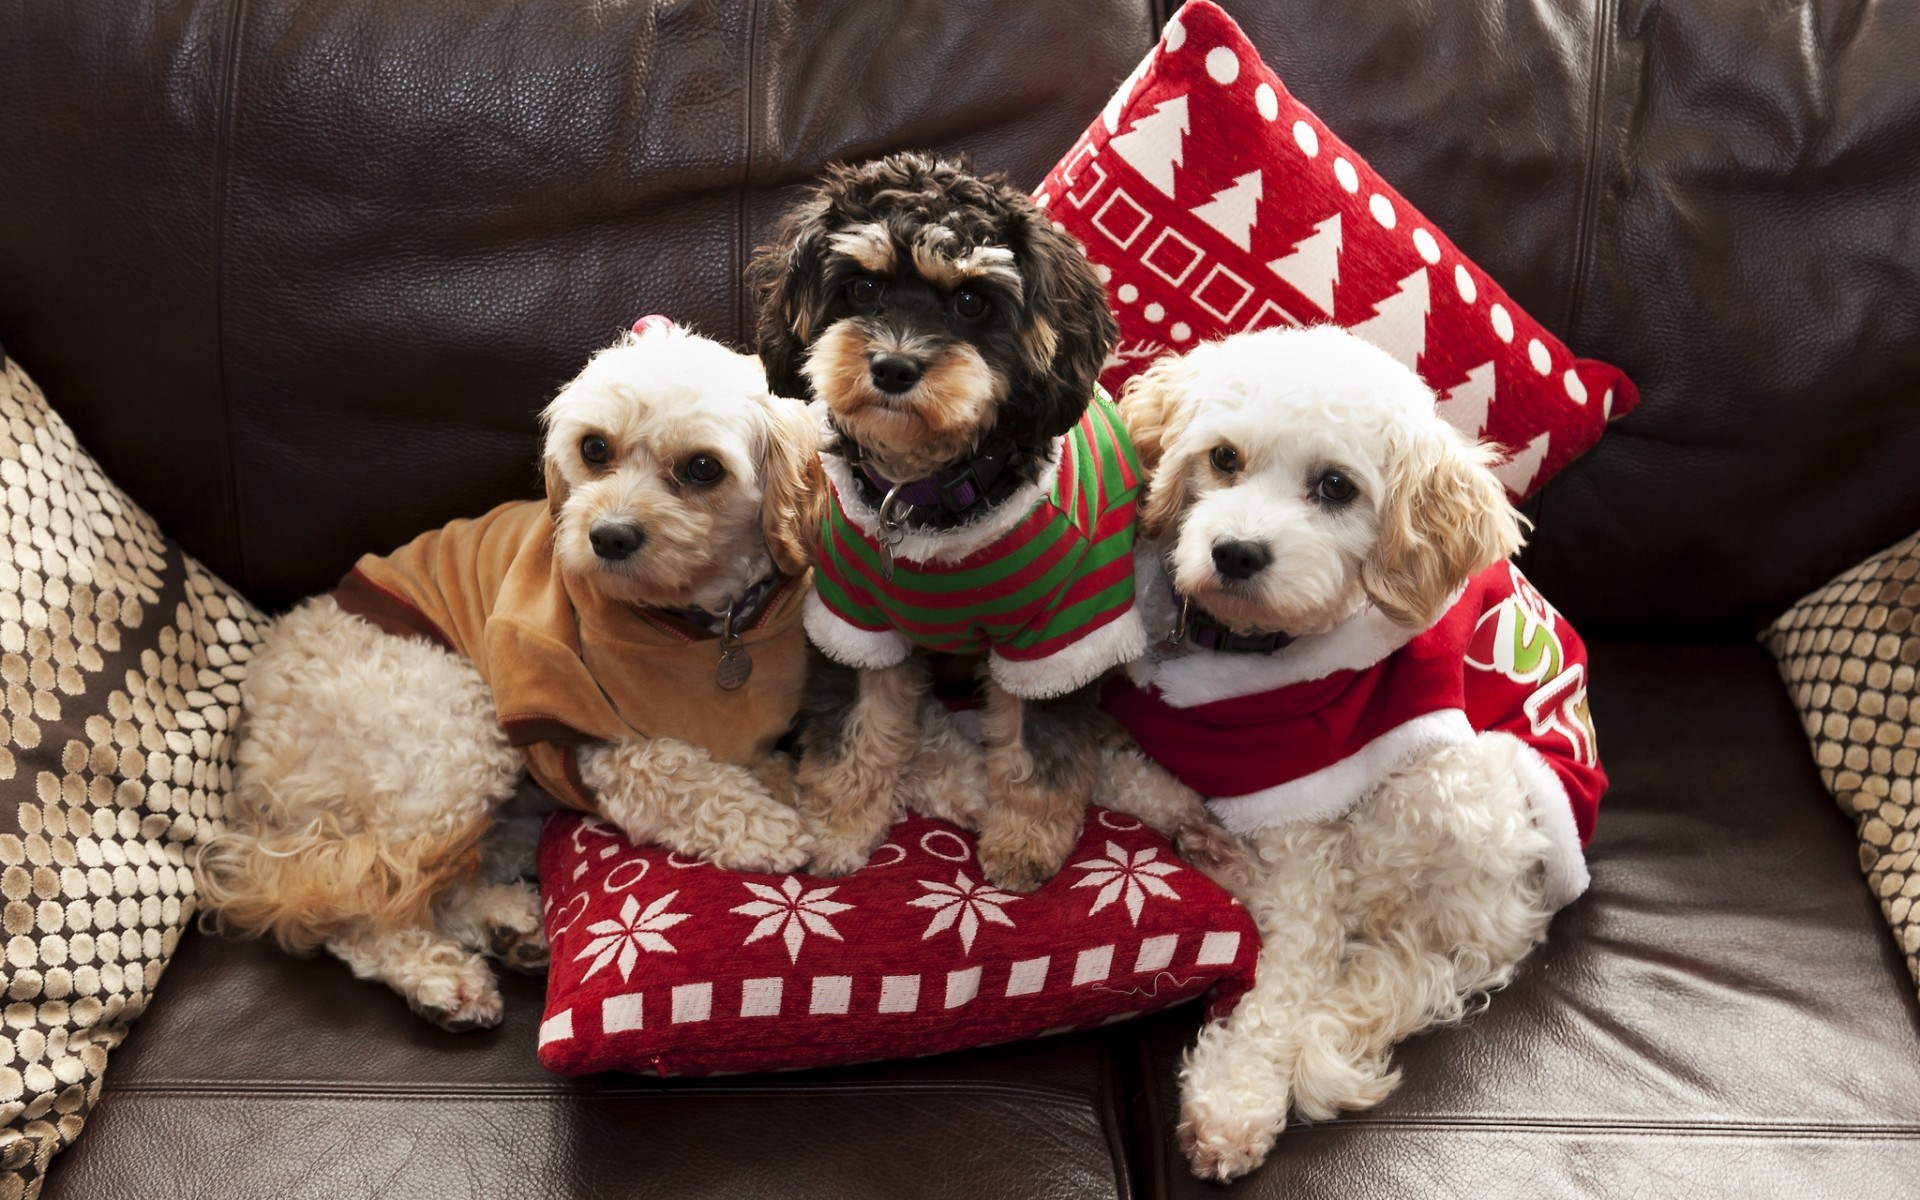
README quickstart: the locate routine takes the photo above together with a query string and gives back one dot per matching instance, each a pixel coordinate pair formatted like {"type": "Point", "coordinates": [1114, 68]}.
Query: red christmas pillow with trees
{"type": "Point", "coordinates": [668, 965]}
{"type": "Point", "coordinates": [1211, 201]}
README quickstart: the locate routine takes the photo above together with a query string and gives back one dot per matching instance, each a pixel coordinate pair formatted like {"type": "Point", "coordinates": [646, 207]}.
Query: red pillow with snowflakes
{"type": "Point", "coordinates": [1211, 202]}
{"type": "Point", "coordinates": [668, 965]}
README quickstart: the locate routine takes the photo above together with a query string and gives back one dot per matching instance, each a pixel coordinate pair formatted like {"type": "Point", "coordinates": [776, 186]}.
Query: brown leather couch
{"type": "Point", "coordinates": [301, 274]}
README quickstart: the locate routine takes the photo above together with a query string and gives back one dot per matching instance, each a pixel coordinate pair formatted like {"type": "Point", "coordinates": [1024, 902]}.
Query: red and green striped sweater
{"type": "Point", "coordinates": [1043, 584]}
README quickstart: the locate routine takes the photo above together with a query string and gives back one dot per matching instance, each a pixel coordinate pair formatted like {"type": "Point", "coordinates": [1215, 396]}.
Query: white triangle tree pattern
{"type": "Point", "coordinates": [1399, 322]}
{"type": "Point", "coordinates": [1116, 106]}
{"type": "Point", "coordinates": [1517, 473]}
{"type": "Point", "coordinates": [1233, 210]}
{"type": "Point", "coordinates": [1465, 406]}
{"type": "Point", "coordinates": [1314, 266]}
{"type": "Point", "coordinates": [1155, 143]}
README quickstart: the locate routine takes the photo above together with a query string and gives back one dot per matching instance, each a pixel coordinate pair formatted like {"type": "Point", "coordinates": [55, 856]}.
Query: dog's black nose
{"type": "Point", "coordinates": [895, 373]}
{"type": "Point", "coordinates": [1240, 560]}
{"type": "Point", "coordinates": [614, 541]}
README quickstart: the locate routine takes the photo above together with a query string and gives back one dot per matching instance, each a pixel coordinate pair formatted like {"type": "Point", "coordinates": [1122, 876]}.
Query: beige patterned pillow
{"type": "Point", "coordinates": [1849, 653]}
{"type": "Point", "coordinates": [119, 660]}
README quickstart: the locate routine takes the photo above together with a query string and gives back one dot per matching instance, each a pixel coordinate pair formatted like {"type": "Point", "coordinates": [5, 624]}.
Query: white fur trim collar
{"type": "Point", "coordinates": [847, 643]}
{"type": "Point", "coordinates": [1189, 675]}
{"type": "Point", "coordinates": [936, 545]}
{"type": "Point", "coordinates": [1120, 640]}
{"type": "Point", "coordinates": [1337, 787]}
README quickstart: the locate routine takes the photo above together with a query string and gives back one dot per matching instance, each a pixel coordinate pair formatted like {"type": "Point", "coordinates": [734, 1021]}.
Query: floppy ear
{"type": "Point", "coordinates": [1156, 415]}
{"type": "Point", "coordinates": [788, 276]}
{"type": "Point", "coordinates": [556, 484]}
{"type": "Point", "coordinates": [1067, 329]}
{"type": "Point", "coordinates": [791, 484]}
{"type": "Point", "coordinates": [1443, 518]}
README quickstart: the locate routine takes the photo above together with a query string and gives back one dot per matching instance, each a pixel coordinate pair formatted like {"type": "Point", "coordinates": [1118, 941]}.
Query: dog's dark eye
{"type": "Point", "coordinates": [1335, 488]}
{"type": "Point", "coordinates": [702, 469]}
{"type": "Point", "coordinates": [1225, 459]}
{"type": "Point", "coordinates": [595, 451]}
{"type": "Point", "coordinates": [863, 292]}
{"type": "Point", "coordinates": [970, 305]}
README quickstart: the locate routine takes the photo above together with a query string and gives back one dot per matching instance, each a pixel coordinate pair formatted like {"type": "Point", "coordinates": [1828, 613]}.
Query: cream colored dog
{"type": "Point", "coordinates": [1325, 557]}
{"type": "Point", "coordinates": [598, 638]}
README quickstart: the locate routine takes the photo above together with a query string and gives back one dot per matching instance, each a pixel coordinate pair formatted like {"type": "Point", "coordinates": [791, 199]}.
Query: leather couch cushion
{"type": "Point", "coordinates": [261, 1075]}
{"type": "Point", "coordinates": [1722, 1014]}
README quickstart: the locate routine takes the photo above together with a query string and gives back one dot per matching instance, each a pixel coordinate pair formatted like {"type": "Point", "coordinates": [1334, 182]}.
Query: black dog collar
{"type": "Point", "coordinates": [1202, 630]}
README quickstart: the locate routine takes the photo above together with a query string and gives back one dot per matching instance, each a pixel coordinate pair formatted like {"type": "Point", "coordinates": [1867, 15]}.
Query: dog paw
{"type": "Point", "coordinates": [458, 998]}
{"type": "Point", "coordinates": [775, 843]}
{"type": "Point", "coordinates": [519, 950]}
{"type": "Point", "coordinates": [1210, 847]}
{"type": "Point", "coordinates": [837, 856]}
{"type": "Point", "coordinates": [1019, 856]}
{"type": "Point", "coordinates": [1223, 1150]}
{"type": "Point", "coordinates": [1017, 869]}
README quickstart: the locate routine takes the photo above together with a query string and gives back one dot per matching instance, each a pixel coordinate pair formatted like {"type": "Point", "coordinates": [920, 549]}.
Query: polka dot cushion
{"type": "Point", "coordinates": [119, 658]}
{"type": "Point", "coordinates": [1850, 653]}
{"type": "Point", "coordinates": [671, 966]}
{"type": "Point", "coordinates": [1211, 201]}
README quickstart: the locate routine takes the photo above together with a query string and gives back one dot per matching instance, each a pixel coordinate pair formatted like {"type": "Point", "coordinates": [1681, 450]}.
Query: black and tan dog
{"type": "Point", "coordinates": [980, 501]}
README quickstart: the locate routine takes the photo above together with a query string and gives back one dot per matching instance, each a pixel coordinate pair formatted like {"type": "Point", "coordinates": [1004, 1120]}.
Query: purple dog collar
{"type": "Point", "coordinates": [1208, 634]}
{"type": "Point", "coordinates": [926, 493]}
{"type": "Point", "coordinates": [955, 490]}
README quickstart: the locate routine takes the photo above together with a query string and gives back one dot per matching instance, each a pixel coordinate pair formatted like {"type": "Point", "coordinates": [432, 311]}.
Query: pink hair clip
{"type": "Point", "coordinates": [654, 323]}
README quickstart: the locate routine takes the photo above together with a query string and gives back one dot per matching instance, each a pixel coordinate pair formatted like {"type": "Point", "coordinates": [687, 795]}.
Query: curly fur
{"type": "Point", "coordinates": [878, 265]}
{"type": "Point", "coordinates": [370, 767]}
{"type": "Point", "coordinates": [1395, 916]}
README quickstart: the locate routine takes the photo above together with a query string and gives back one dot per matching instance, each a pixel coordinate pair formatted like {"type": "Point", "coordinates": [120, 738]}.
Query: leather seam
{"type": "Point", "coordinates": [1590, 181]}
{"type": "Point", "coordinates": [744, 317]}
{"type": "Point", "coordinates": [217, 217]}
{"type": "Point", "coordinates": [1585, 222]}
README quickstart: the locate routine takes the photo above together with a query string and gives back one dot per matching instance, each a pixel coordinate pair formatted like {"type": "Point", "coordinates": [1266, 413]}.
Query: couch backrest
{"type": "Point", "coordinates": [302, 274]}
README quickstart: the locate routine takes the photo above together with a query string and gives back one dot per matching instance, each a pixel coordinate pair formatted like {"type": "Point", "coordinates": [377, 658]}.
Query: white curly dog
{"type": "Point", "coordinates": [371, 764]}
{"type": "Point", "coordinates": [1366, 693]}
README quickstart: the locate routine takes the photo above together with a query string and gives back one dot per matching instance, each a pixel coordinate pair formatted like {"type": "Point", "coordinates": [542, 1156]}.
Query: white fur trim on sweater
{"type": "Point", "coordinates": [1189, 675]}
{"type": "Point", "coordinates": [1567, 874]}
{"type": "Point", "coordinates": [1333, 789]}
{"type": "Point", "coordinates": [1120, 640]}
{"type": "Point", "coordinates": [847, 643]}
{"type": "Point", "coordinates": [938, 545]}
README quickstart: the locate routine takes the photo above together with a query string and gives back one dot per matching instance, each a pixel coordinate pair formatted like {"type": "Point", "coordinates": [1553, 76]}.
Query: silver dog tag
{"type": "Point", "coordinates": [893, 531]}
{"type": "Point", "coordinates": [734, 669]}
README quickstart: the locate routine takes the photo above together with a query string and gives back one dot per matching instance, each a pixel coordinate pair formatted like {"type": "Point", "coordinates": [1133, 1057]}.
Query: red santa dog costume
{"type": "Point", "coordinates": [1309, 730]}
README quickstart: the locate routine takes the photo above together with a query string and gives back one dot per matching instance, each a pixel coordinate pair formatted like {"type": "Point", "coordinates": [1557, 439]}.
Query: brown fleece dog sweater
{"type": "Point", "coordinates": [567, 665]}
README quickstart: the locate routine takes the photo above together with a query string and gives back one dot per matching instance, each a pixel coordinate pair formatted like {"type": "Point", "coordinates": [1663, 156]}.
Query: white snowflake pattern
{"type": "Point", "coordinates": [1134, 877]}
{"type": "Point", "coordinates": [965, 903]}
{"type": "Point", "coordinates": [635, 929]}
{"type": "Point", "coordinates": [792, 912]}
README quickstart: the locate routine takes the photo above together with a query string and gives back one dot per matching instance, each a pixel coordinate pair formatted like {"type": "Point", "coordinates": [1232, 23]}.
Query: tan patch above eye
{"type": "Point", "coordinates": [869, 245]}
{"type": "Point", "coordinates": [981, 262]}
